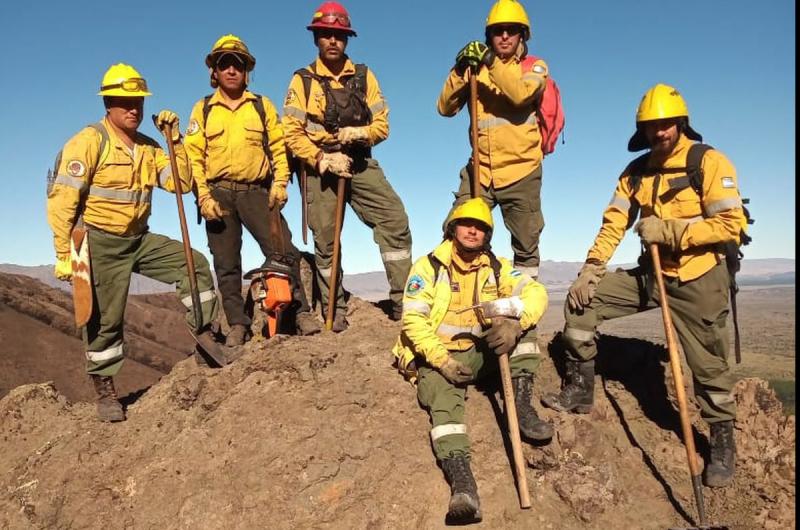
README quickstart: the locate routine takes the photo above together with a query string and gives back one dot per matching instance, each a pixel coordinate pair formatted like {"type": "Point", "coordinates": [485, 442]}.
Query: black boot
{"type": "Point", "coordinates": [720, 468]}
{"type": "Point", "coordinates": [529, 423]}
{"type": "Point", "coordinates": [578, 395]}
{"type": "Point", "coordinates": [464, 503]}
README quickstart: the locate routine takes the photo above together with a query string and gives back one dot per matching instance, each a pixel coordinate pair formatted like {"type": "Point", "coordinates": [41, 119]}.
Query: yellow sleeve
{"type": "Point", "coordinates": [379, 127]}
{"type": "Point", "coordinates": [417, 327]}
{"type": "Point", "coordinates": [277, 146]}
{"type": "Point", "coordinates": [195, 144]}
{"type": "Point", "coordinates": [454, 94]}
{"type": "Point", "coordinates": [164, 167]}
{"type": "Point", "coordinates": [721, 202]}
{"type": "Point", "coordinates": [532, 293]}
{"type": "Point", "coordinates": [294, 123]}
{"type": "Point", "coordinates": [520, 90]}
{"type": "Point", "coordinates": [617, 217]}
{"type": "Point", "coordinates": [73, 177]}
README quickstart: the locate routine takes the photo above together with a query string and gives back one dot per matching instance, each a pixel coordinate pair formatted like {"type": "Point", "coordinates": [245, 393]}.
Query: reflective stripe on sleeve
{"type": "Point", "coordinates": [530, 76]}
{"type": "Point", "coordinates": [72, 182]}
{"type": "Point", "coordinates": [205, 296]}
{"type": "Point", "coordinates": [523, 282]}
{"type": "Point", "coordinates": [417, 306]}
{"type": "Point", "coordinates": [377, 107]}
{"type": "Point", "coordinates": [133, 196]}
{"type": "Point", "coordinates": [396, 255]}
{"type": "Point", "coordinates": [294, 112]}
{"type": "Point", "coordinates": [526, 348]}
{"type": "Point", "coordinates": [447, 429]}
{"type": "Point", "coordinates": [325, 273]}
{"type": "Point", "coordinates": [164, 175]}
{"type": "Point", "coordinates": [313, 127]}
{"type": "Point", "coordinates": [619, 202]}
{"type": "Point", "coordinates": [113, 352]}
{"type": "Point", "coordinates": [579, 334]}
{"type": "Point", "coordinates": [715, 207]}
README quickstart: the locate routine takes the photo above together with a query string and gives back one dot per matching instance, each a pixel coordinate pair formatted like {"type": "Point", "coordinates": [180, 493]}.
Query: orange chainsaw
{"type": "Point", "coordinates": [270, 284]}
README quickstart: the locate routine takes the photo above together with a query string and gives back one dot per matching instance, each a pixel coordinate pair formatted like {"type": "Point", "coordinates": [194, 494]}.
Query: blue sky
{"type": "Point", "coordinates": [734, 62]}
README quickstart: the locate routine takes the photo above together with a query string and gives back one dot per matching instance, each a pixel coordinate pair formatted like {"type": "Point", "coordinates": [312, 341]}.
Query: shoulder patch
{"type": "Point", "coordinates": [291, 97]}
{"type": "Point", "coordinates": [76, 168]}
{"type": "Point", "coordinates": [538, 69]}
{"type": "Point", "coordinates": [193, 127]}
{"type": "Point", "coordinates": [514, 273]}
{"type": "Point", "coordinates": [727, 182]}
{"type": "Point", "coordinates": [415, 285]}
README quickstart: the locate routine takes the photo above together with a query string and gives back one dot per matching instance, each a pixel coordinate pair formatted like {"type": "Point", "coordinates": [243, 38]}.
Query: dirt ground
{"type": "Point", "coordinates": [321, 432]}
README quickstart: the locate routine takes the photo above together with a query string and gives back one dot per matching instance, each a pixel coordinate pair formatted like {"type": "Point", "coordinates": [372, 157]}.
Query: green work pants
{"type": "Point", "coordinates": [521, 206]}
{"type": "Point", "coordinates": [113, 259]}
{"type": "Point", "coordinates": [445, 401]}
{"type": "Point", "coordinates": [379, 207]}
{"type": "Point", "coordinates": [699, 310]}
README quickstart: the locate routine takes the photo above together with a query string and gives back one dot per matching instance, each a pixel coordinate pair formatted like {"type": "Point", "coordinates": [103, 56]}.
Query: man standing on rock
{"type": "Point", "coordinates": [509, 146]}
{"type": "Point", "coordinates": [691, 219]}
{"type": "Point", "coordinates": [462, 307]}
{"type": "Point", "coordinates": [333, 115]}
{"type": "Point", "coordinates": [104, 181]}
{"type": "Point", "coordinates": [235, 144]}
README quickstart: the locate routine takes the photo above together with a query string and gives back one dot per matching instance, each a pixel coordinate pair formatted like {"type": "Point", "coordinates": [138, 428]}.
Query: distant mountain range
{"type": "Point", "coordinates": [372, 286]}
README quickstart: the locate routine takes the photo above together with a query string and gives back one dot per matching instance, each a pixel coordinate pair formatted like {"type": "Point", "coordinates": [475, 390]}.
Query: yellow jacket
{"type": "Point", "coordinates": [229, 144]}
{"type": "Point", "coordinates": [115, 187]}
{"type": "Point", "coordinates": [427, 301]}
{"type": "Point", "coordinates": [717, 218]}
{"type": "Point", "coordinates": [509, 141]}
{"type": "Point", "coordinates": [304, 136]}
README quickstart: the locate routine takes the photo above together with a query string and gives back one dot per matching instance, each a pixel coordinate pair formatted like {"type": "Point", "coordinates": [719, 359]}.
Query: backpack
{"type": "Point", "coordinates": [53, 173]}
{"type": "Point", "coordinates": [731, 249]}
{"type": "Point", "coordinates": [262, 113]}
{"type": "Point", "coordinates": [549, 112]}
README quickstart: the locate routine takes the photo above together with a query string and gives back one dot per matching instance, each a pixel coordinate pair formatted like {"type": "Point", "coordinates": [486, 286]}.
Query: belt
{"type": "Point", "coordinates": [239, 186]}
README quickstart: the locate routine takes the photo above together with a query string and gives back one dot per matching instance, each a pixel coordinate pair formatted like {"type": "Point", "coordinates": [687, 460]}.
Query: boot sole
{"type": "Point", "coordinates": [462, 508]}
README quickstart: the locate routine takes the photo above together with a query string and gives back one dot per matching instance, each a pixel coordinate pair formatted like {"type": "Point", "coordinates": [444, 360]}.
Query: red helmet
{"type": "Point", "coordinates": [331, 15]}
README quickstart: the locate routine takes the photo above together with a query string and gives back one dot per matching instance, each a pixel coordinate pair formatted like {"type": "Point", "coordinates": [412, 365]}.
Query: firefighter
{"type": "Point", "coordinates": [235, 144]}
{"type": "Point", "coordinates": [509, 140]}
{"type": "Point", "coordinates": [461, 308]}
{"type": "Point", "coordinates": [105, 182]}
{"type": "Point", "coordinates": [333, 115]}
{"type": "Point", "coordinates": [689, 225]}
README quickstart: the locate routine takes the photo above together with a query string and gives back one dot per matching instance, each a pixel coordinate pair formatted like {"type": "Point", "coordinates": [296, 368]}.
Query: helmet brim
{"type": "Point", "coordinates": [638, 141]}
{"type": "Point", "coordinates": [349, 32]}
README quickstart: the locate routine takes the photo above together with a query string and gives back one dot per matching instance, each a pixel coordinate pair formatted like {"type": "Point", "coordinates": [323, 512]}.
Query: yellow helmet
{"type": "Point", "coordinates": [661, 102]}
{"type": "Point", "coordinates": [476, 209]}
{"type": "Point", "coordinates": [509, 12]}
{"type": "Point", "coordinates": [230, 44]}
{"type": "Point", "coordinates": [123, 80]}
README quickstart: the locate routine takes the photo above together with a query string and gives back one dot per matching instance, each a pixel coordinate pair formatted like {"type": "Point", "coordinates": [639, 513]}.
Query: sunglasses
{"type": "Point", "coordinates": [512, 30]}
{"type": "Point", "coordinates": [134, 84]}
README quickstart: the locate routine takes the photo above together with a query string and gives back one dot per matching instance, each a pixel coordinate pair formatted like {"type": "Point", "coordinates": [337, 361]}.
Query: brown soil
{"type": "Point", "coordinates": [322, 432]}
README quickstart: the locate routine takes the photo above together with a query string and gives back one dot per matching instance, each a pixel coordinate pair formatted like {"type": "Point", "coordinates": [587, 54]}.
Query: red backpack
{"type": "Point", "coordinates": [550, 113]}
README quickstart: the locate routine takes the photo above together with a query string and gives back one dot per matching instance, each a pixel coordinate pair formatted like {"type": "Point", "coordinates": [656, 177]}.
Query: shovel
{"type": "Point", "coordinates": [680, 392]}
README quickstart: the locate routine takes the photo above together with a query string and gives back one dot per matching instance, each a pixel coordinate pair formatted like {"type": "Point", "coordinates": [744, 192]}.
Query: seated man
{"type": "Point", "coordinates": [461, 306]}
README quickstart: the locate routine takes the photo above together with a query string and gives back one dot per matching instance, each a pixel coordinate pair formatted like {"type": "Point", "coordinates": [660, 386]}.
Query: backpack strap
{"type": "Point", "coordinates": [262, 113]}
{"type": "Point", "coordinates": [493, 261]}
{"type": "Point", "coordinates": [636, 171]}
{"type": "Point", "coordinates": [694, 168]}
{"type": "Point", "coordinates": [206, 109]}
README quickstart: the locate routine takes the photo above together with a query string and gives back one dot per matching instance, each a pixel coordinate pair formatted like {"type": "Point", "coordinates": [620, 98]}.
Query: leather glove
{"type": "Point", "coordinates": [352, 135]}
{"type": "Point", "coordinates": [503, 307]}
{"type": "Point", "coordinates": [277, 195]}
{"type": "Point", "coordinates": [167, 117]}
{"type": "Point", "coordinates": [210, 209]}
{"type": "Point", "coordinates": [455, 372]}
{"type": "Point", "coordinates": [337, 163]}
{"type": "Point", "coordinates": [667, 232]}
{"type": "Point", "coordinates": [475, 53]}
{"type": "Point", "coordinates": [504, 334]}
{"type": "Point", "coordinates": [63, 269]}
{"type": "Point", "coordinates": [582, 290]}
